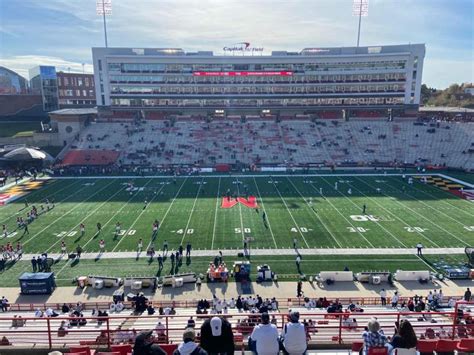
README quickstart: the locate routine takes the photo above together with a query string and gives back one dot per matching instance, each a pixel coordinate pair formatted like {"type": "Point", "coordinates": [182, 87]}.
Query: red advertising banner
{"type": "Point", "coordinates": [243, 73]}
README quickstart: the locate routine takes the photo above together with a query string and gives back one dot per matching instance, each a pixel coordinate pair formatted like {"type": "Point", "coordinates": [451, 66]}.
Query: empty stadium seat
{"type": "Point", "coordinates": [123, 349]}
{"type": "Point", "coordinates": [426, 346]}
{"type": "Point", "coordinates": [357, 346]}
{"type": "Point", "coordinates": [446, 346]}
{"type": "Point", "coordinates": [81, 349]}
{"type": "Point", "coordinates": [466, 345]}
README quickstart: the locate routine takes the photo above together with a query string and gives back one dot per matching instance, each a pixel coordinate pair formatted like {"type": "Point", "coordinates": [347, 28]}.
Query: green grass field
{"type": "Point", "coordinates": [10, 129]}
{"type": "Point", "coordinates": [189, 210]}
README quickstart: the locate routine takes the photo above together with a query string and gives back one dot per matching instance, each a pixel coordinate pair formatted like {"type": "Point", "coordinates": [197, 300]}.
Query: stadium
{"type": "Point", "coordinates": [235, 201]}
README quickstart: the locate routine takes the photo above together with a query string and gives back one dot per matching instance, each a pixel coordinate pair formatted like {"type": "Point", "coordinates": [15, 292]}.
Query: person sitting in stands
{"type": "Point", "coordinates": [82, 320]}
{"type": "Point", "coordinates": [191, 323]}
{"type": "Point", "coordinates": [102, 337]}
{"type": "Point", "coordinates": [63, 329]}
{"type": "Point", "coordinates": [264, 338]}
{"type": "Point", "coordinates": [50, 313]}
{"type": "Point", "coordinates": [39, 313]}
{"type": "Point", "coordinates": [405, 338]}
{"type": "Point", "coordinates": [172, 311]}
{"type": "Point", "coordinates": [188, 346]}
{"type": "Point", "coordinates": [65, 308]}
{"type": "Point", "coordinates": [119, 306]}
{"type": "Point", "coordinates": [150, 310]}
{"type": "Point", "coordinates": [144, 344]}
{"type": "Point", "coordinates": [373, 337]}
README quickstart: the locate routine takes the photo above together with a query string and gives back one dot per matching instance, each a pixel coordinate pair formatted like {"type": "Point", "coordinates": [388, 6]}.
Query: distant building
{"type": "Point", "coordinates": [76, 90]}
{"type": "Point", "coordinates": [469, 91]}
{"type": "Point", "coordinates": [312, 80]}
{"type": "Point", "coordinates": [12, 83]}
{"type": "Point", "coordinates": [44, 81]}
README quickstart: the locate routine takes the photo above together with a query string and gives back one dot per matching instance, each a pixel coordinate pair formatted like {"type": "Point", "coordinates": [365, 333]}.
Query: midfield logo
{"type": "Point", "coordinates": [229, 202]}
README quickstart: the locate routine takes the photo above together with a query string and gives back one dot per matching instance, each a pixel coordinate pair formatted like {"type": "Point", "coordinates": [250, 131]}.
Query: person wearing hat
{"type": "Point", "coordinates": [373, 337]}
{"type": "Point", "coordinates": [144, 345]}
{"type": "Point", "coordinates": [264, 338]}
{"type": "Point", "coordinates": [217, 336]}
{"type": "Point", "coordinates": [293, 335]}
{"type": "Point", "coordinates": [188, 346]}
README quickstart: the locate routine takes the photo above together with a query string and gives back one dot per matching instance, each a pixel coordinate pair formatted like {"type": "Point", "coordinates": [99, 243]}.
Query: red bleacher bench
{"type": "Point", "coordinates": [323, 322]}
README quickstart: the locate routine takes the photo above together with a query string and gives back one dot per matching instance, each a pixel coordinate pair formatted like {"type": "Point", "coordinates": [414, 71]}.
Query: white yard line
{"type": "Point", "coordinates": [428, 194]}
{"type": "Point", "coordinates": [393, 214]}
{"type": "Point", "coordinates": [320, 220]}
{"type": "Point", "coordinates": [117, 212]}
{"type": "Point", "coordinates": [377, 223]}
{"type": "Point", "coordinates": [87, 216]}
{"type": "Point", "coordinates": [68, 212]}
{"type": "Point", "coordinates": [286, 252]}
{"type": "Point", "coordinates": [169, 208]}
{"type": "Point", "coordinates": [287, 208]}
{"type": "Point", "coordinates": [337, 210]}
{"type": "Point", "coordinates": [215, 214]}
{"type": "Point", "coordinates": [42, 189]}
{"type": "Point", "coordinates": [191, 213]}
{"type": "Point", "coordinates": [431, 222]}
{"type": "Point", "coordinates": [240, 211]}
{"type": "Point", "coordinates": [124, 236]}
{"type": "Point", "coordinates": [263, 207]}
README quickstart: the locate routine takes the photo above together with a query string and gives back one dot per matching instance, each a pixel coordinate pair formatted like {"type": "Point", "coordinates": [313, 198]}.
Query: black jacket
{"type": "Point", "coordinates": [217, 344]}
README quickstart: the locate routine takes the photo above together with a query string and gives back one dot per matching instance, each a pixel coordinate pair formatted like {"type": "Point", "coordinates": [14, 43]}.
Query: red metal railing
{"type": "Point", "coordinates": [284, 303]}
{"type": "Point", "coordinates": [323, 329]}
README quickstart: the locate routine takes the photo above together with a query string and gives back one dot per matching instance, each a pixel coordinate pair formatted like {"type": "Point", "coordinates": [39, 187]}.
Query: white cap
{"type": "Point", "coordinates": [216, 326]}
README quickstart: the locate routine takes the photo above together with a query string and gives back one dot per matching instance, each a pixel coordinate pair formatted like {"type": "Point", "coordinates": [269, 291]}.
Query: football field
{"type": "Point", "coordinates": [190, 209]}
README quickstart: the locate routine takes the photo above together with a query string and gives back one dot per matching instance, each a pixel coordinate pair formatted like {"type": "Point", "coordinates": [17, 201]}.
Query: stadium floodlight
{"type": "Point", "coordinates": [360, 8]}
{"type": "Point", "coordinates": [104, 7]}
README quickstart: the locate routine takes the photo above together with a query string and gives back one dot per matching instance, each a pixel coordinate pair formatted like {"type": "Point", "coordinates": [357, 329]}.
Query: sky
{"type": "Point", "coordinates": [62, 32]}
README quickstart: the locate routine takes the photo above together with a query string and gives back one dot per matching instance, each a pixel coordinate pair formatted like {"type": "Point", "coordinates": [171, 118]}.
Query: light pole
{"type": "Point", "coordinates": [360, 8]}
{"type": "Point", "coordinates": [104, 7]}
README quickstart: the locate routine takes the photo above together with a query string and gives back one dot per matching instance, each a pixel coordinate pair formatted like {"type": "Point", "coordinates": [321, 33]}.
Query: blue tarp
{"type": "Point", "coordinates": [37, 283]}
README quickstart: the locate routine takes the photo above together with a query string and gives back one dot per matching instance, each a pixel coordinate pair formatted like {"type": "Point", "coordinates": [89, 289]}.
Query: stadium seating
{"type": "Point", "coordinates": [297, 142]}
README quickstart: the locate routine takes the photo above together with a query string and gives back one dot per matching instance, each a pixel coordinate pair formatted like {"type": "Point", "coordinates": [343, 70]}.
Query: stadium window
{"type": "Point", "coordinates": [100, 64]}
{"type": "Point", "coordinates": [79, 82]}
{"type": "Point", "coordinates": [103, 100]}
{"type": "Point", "coordinates": [84, 93]}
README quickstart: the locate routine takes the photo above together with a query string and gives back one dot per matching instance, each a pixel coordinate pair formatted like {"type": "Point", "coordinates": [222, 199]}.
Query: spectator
{"type": "Point", "coordinates": [50, 313]}
{"type": "Point", "coordinates": [150, 310]}
{"type": "Point", "coordinates": [293, 335]}
{"type": "Point", "coordinates": [395, 299]}
{"type": "Point", "coordinates": [188, 346]}
{"type": "Point", "coordinates": [191, 323]}
{"type": "Point", "coordinates": [373, 337]}
{"type": "Point", "coordinates": [4, 304]}
{"type": "Point", "coordinates": [217, 336]}
{"type": "Point", "coordinates": [65, 308]}
{"type": "Point", "coordinates": [467, 295]}
{"type": "Point", "coordinates": [405, 338]}
{"type": "Point", "coordinates": [264, 338]}
{"type": "Point", "coordinates": [144, 345]}
{"type": "Point", "coordinates": [383, 297]}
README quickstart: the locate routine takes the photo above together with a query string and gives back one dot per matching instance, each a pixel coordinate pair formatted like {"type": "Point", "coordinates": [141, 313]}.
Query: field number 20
{"type": "Point", "coordinates": [469, 228]}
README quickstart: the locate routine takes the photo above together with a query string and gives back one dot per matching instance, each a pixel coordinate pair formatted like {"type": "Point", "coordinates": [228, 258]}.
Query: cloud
{"type": "Point", "coordinates": [21, 64]}
{"type": "Point", "coordinates": [69, 28]}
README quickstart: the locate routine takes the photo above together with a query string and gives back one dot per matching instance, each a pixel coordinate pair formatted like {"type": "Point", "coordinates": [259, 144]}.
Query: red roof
{"type": "Point", "coordinates": [90, 157]}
